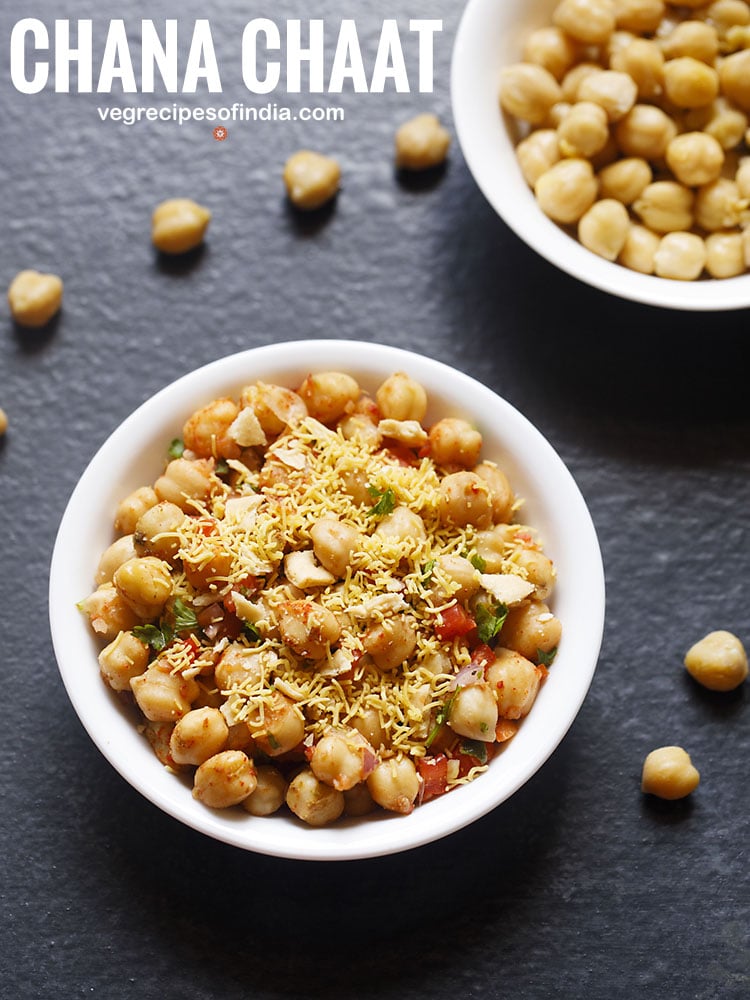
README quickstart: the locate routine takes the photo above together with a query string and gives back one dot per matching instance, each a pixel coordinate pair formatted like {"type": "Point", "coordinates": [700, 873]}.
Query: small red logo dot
{"type": "Point", "coordinates": [220, 133]}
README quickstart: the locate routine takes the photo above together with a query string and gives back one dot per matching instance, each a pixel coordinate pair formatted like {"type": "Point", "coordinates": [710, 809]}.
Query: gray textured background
{"type": "Point", "coordinates": [576, 887]}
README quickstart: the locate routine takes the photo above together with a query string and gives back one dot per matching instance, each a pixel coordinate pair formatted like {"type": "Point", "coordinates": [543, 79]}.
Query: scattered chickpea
{"type": "Point", "coordinates": [311, 179]}
{"type": "Point", "coordinates": [269, 794]}
{"type": "Point", "coordinates": [718, 661]}
{"type": "Point", "coordinates": [3, 421]}
{"type": "Point", "coordinates": [179, 225]}
{"type": "Point", "coordinates": [34, 298]}
{"type": "Point", "coordinates": [422, 143]}
{"type": "Point", "coordinates": [669, 773]}
{"type": "Point", "coordinates": [132, 507]}
{"type": "Point", "coordinates": [454, 441]}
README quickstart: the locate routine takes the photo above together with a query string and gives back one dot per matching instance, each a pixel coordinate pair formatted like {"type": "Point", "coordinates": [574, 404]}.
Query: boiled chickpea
{"type": "Point", "coordinates": [358, 426]}
{"type": "Point", "coordinates": [163, 696]}
{"type": "Point", "coordinates": [156, 531]}
{"type": "Point", "coordinates": [206, 432]}
{"type": "Point", "coordinates": [390, 643]}
{"type": "Point", "coordinates": [665, 206]}
{"type": "Point", "coordinates": [734, 74]}
{"type": "Point", "coordinates": [34, 298]}
{"type": "Point", "coordinates": [727, 125]}
{"type": "Point", "coordinates": [639, 250]}
{"type": "Point", "coordinates": [604, 227]}
{"type": "Point", "coordinates": [179, 225]}
{"type": "Point", "coordinates": [719, 205]}
{"type": "Point", "coordinates": [725, 255]}
{"type": "Point", "coordinates": [394, 785]}
{"type": "Point", "coordinates": [742, 177]}
{"type": "Point", "coordinates": [132, 507]}
{"type": "Point", "coordinates": [725, 14]}
{"type": "Point", "coordinates": [540, 571]}
{"type": "Point", "coordinates": [333, 544]}
{"type": "Point", "coordinates": [645, 131]}
{"type": "Point", "coordinates": [329, 395]}
{"type": "Point", "coordinates": [238, 666]}
{"type": "Point", "coordinates": [145, 584]}
{"type": "Point", "coordinates": [643, 61]}
{"type": "Point", "coordinates": [311, 179]}
{"type": "Point", "coordinates": [269, 794]}
{"type": "Point", "coordinates": [198, 735]}
{"type": "Point", "coordinates": [312, 800]}
{"type": "Point", "coordinates": [422, 143]}
{"type": "Point", "coordinates": [692, 38]}
{"type": "Point", "coordinates": [113, 557]}
{"type": "Point", "coordinates": [308, 628]}
{"type": "Point", "coordinates": [531, 628]}
{"type": "Point", "coordinates": [625, 179]}
{"type": "Point", "coordinates": [695, 158]}
{"type": "Point", "coordinates": [573, 79]}
{"type": "Point", "coordinates": [402, 523]}
{"type": "Point", "coordinates": [567, 190]}
{"type": "Point", "coordinates": [212, 567]}
{"type": "Point", "coordinates": [184, 481]}
{"type": "Point", "coordinates": [275, 406]}
{"type": "Point", "coordinates": [465, 499]}
{"type": "Point", "coordinates": [615, 92]}
{"type": "Point", "coordinates": [355, 483]}
{"type": "Point", "coordinates": [123, 659]}
{"type": "Point", "coordinates": [501, 492]}
{"type": "Point", "coordinates": [528, 92]}
{"type": "Point", "coordinates": [461, 574]}
{"type": "Point", "coordinates": [369, 723]}
{"type": "Point", "coordinates": [669, 773]}
{"type": "Point", "coordinates": [342, 758]}
{"type": "Point", "coordinates": [589, 21]}
{"type": "Point", "coordinates": [492, 545]}
{"type": "Point", "coordinates": [454, 442]}
{"type": "Point", "coordinates": [224, 780]}
{"type": "Point", "coordinates": [3, 422]}
{"type": "Point", "coordinates": [107, 612]}
{"type": "Point", "coordinates": [681, 256]}
{"type": "Point", "coordinates": [515, 681]}
{"type": "Point", "coordinates": [584, 131]}
{"type": "Point", "coordinates": [400, 397]}
{"type": "Point", "coordinates": [279, 728]}
{"type": "Point", "coordinates": [358, 801]}
{"type": "Point", "coordinates": [718, 661]}
{"type": "Point", "coordinates": [551, 48]}
{"type": "Point", "coordinates": [473, 712]}
{"type": "Point", "coordinates": [689, 83]}
{"type": "Point", "coordinates": [537, 153]}
{"type": "Point", "coordinates": [640, 16]}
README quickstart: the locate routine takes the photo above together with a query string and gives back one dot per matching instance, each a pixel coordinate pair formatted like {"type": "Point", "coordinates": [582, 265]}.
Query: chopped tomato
{"type": "Point", "coordinates": [228, 603]}
{"type": "Point", "coordinates": [207, 526]}
{"type": "Point", "coordinates": [453, 621]}
{"type": "Point", "coordinates": [194, 646]}
{"type": "Point", "coordinates": [505, 729]}
{"type": "Point", "coordinates": [434, 774]}
{"type": "Point", "coordinates": [482, 655]}
{"type": "Point", "coordinates": [403, 454]}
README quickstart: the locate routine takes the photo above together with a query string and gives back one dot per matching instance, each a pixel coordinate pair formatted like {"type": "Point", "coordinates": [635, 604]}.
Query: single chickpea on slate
{"type": "Point", "coordinates": [718, 661]}
{"type": "Point", "coordinates": [34, 298]}
{"type": "Point", "coordinates": [179, 225]}
{"type": "Point", "coordinates": [669, 773]}
{"type": "Point", "coordinates": [311, 179]}
{"type": "Point", "coordinates": [422, 143]}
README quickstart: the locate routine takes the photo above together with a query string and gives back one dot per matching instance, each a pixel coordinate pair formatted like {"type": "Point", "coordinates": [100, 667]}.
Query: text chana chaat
{"type": "Point", "coordinates": [323, 603]}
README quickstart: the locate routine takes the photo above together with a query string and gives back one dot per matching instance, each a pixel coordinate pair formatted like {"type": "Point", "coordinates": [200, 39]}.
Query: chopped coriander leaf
{"type": "Point", "coordinates": [222, 467]}
{"type": "Point", "coordinates": [475, 748]}
{"type": "Point", "coordinates": [427, 569]}
{"type": "Point", "coordinates": [441, 718]}
{"type": "Point", "coordinates": [176, 448]}
{"type": "Point", "coordinates": [158, 637]}
{"type": "Point", "coordinates": [252, 633]}
{"type": "Point", "coordinates": [489, 621]}
{"type": "Point", "coordinates": [184, 617]}
{"type": "Point", "coordinates": [385, 504]}
{"type": "Point", "coordinates": [477, 562]}
{"type": "Point", "coordinates": [545, 659]}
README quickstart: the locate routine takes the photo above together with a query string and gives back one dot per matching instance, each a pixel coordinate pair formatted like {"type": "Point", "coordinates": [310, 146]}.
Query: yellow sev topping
{"type": "Point", "coordinates": [270, 512]}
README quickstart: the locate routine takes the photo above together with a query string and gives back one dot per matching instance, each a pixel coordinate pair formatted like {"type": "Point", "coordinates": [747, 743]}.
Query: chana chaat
{"type": "Point", "coordinates": [321, 603]}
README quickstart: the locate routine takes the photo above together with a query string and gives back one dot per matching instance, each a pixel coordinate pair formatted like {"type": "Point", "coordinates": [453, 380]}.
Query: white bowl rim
{"type": "Point", "coordinates": [113, 732]}
{"type": "Point", "coordinates": [480, 131]}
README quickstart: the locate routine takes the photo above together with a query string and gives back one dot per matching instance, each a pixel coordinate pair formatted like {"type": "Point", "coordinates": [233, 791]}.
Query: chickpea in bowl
{"type": "Point", "coordinates": [611, 135]}
{"type": "Point", "coordinates": [294, 657]}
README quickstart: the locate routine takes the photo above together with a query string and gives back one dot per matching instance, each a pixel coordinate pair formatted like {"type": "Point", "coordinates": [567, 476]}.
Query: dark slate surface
{"type": "Point", "coordinates": [576, 887]}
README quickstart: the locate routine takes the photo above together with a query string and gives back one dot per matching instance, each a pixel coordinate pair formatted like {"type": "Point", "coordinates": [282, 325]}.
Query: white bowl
{"type": "Point", "coordinates": [490, 36]}
{"type": "Point", "coordinates": [133, 456]}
